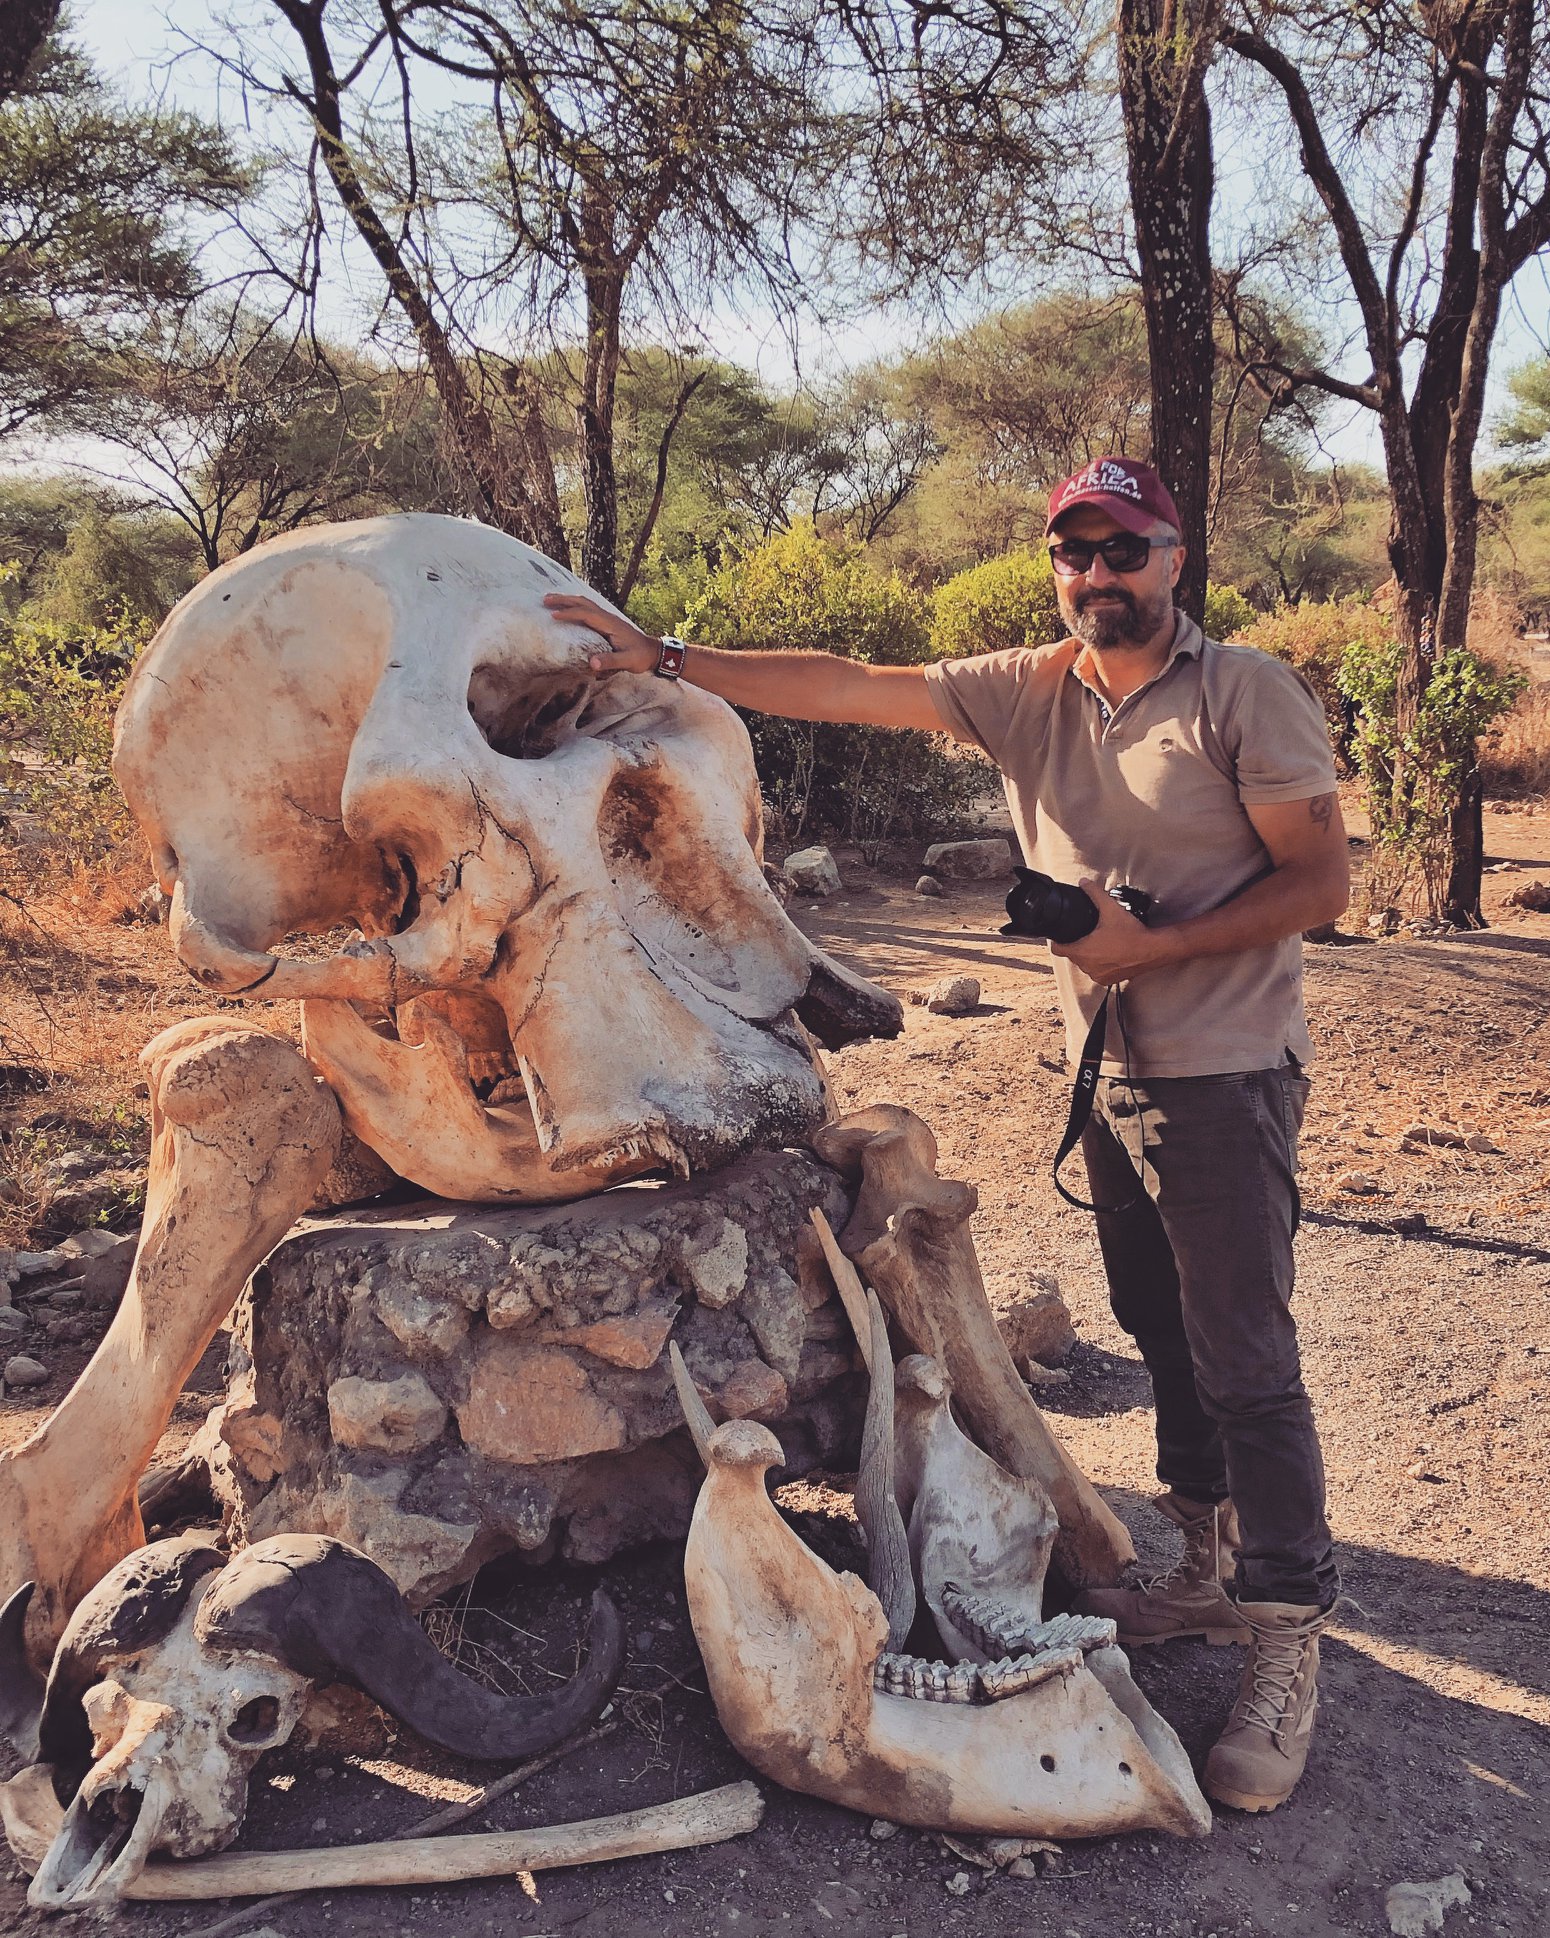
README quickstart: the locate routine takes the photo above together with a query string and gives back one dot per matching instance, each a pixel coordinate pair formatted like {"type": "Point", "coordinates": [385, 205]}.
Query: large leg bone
{"type": "Point", "coordinates": [242, 1132]}
{"type": "Point", "coordinates": [909, 1233]}
{"type": "Point", "coordinates": [32, 1817]}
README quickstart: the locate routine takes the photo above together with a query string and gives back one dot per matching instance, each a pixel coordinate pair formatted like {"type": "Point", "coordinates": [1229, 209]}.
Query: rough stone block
{"type": "Point", "coordinates": [954, 996]}
{"type": "Point", "coordinates": [441, 1384]}
{"type": "Point", "coordinates": [393, 1416]}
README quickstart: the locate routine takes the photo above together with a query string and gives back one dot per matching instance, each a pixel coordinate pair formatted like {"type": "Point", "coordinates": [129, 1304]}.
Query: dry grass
{"type": "Point", "coordinates": [85, 982]}
{"type": "Point", "coordinates": [1516, 759]}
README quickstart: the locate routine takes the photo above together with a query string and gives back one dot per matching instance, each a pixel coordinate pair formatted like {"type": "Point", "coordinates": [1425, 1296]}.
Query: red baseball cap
{"type": "Point", "coordinates": [1132, 494]}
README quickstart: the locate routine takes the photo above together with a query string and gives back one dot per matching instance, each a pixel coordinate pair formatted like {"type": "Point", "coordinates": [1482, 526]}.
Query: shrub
{"type": "Point", "coordinates": [1413, 781]}
{"type": "Point", "coordinates": [1008, 601]}
{"type": "Point", "coordinates": [59, 687]}
{"type": "Point", "coordinates": [1314, 637]}
{"type": "Point", "coordinates": [1228, 613]}
{"type": "Point", "coordinates": [800, 592]}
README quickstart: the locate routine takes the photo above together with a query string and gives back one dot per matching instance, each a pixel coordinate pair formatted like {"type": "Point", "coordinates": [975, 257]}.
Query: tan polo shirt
{"type": "Point", "coordinates": [1152, 793]}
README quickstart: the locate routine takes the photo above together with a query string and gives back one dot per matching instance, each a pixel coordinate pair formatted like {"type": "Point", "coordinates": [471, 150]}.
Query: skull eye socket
{"type": "Point", "coordinates": [257, 1721]}
{"type": "Point", "coordinates": [523, 723]}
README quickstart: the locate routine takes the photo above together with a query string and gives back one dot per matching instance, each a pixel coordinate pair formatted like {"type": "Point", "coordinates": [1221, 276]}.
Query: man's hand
{"type": "Point", "coordinates": [628, 649]}
{"type": "Point", "coordinates": [1120, 947]}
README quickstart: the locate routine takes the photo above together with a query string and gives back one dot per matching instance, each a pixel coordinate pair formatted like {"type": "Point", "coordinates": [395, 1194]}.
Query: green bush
{"type": "Point", "coordinates": [800, 592]}
{"type": "Point", "coordinates": [1315, 637]}
{"type": "Point", "coordinates": [1228, 614]}
{"type": "Point", "coordinates": [59, 687]}
{"type": "Point", "coordinates": [1413, 780]}
{"type": "Point", "coordinates": [1008, 601]}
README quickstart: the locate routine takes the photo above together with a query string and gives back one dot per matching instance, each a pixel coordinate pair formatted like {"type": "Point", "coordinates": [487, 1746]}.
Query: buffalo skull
{"type": "Point", "coordinates": [181, 1668]}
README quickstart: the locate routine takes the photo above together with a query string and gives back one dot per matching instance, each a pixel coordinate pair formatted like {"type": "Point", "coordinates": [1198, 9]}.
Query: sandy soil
{"type": "Point", "coordinates": [1425, 1313]}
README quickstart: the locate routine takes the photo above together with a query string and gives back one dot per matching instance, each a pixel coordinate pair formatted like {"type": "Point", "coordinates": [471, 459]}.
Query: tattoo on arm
{"type": "Point", "coordinates": [1321, 809]}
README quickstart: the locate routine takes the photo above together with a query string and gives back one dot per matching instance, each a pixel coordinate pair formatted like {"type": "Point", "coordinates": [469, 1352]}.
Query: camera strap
{"type": "Point", "coordinates": [1083, 1091]}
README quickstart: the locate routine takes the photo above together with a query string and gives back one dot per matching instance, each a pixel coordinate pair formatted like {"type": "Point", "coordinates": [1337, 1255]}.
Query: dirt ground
{"type": "Point", "coordinates": [1425, 1316]}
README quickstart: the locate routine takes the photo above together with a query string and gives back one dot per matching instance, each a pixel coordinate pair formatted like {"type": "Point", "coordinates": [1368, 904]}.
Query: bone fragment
{"type": "Point", "coordinates": [909, 1235]}
{"type": "Point", "coordinates": [439, 1820]}
{"type": "Point", "coordinates": [888, 1550]}
{"type": "Point", "coordinates": [968, 1518]}
{"type": "Point", "coordinates": [709, 1818]}
{"type": "Point", "coordinates": [847, 1282]}
{"type": "Point", "coordinates": [696, 1413]}
{"type": "Point", "coordinates": [241, 1134]}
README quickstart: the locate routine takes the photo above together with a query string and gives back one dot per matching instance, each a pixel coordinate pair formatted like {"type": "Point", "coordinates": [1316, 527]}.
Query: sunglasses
{"type": "Point", "coordinates": [1124, 552]}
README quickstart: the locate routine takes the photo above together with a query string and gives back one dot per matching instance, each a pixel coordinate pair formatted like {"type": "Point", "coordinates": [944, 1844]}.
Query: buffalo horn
{"type": "Point", "coordinates": [328, 1612]}
{"type": "Point", "coordinates": [21, 1687]}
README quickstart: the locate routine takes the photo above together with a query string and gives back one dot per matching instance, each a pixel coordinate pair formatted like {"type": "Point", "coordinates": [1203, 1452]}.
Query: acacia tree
{"type": "Point", "coordinates": [99, 204]}
{"type": "Point", "coordinates": [241, 429]}
{"type": "Point", "coordinates": [595, 169]}
{"type": "Point", "coordinates": [24, 26]}
{"type": "Point", "coordinates": [1424, 134]}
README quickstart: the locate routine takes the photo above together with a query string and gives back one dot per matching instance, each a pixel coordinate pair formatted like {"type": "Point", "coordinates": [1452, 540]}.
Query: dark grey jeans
{"type": "Point", "coordinates": [1200, 1275]}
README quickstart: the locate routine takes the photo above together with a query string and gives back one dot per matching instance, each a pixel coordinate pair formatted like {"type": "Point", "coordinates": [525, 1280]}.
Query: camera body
{"type": "Point", "coordinates": [1046, 910]}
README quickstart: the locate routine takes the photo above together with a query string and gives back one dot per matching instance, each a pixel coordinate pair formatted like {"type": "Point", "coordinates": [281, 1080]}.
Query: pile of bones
{"type": "Point", "coordinates": [565, 969]}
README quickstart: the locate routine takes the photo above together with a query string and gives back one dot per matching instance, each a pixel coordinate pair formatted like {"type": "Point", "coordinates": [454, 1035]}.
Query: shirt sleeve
{"type": "Point", "coordinates": [977, 698]}
{"type": "Point", "coordinates": [1280, 739]}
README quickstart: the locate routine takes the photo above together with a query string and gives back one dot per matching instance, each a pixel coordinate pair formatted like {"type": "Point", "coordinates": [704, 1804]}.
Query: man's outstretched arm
{"type": "Point", "coordinates": [802, 686]}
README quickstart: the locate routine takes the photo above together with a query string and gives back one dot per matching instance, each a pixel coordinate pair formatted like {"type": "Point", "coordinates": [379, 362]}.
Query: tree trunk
{"type": "Point", "coordinates": [604, 284]}
{"type": "Point", "coordinates": [28, 23]}
{"type": "Point", "coordinates": [1466, 831]}
{"type": "Point", "coordinates": [1168, 144]}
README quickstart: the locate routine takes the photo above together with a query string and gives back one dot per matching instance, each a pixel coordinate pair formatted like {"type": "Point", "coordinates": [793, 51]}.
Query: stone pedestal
{"type": "Point", "coordinates": [442, 1384]}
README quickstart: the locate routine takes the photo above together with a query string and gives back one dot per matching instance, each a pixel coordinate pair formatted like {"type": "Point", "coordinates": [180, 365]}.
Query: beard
{"type": "Point", "coordinates": [1116, 618]}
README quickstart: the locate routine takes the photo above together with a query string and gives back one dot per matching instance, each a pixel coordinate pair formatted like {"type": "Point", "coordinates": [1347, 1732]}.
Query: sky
{"type": "Point", "coordinates": [143, 45]}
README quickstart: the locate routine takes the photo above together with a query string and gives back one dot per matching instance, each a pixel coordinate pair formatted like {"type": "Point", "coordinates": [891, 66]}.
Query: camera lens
{"type": "Point", "coordinates": [1041, 907]}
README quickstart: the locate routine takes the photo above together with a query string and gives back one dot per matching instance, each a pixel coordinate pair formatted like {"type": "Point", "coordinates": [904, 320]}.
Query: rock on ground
{"type": "Point", "coordinates": [1414, 1910]}
{"type": "Point", "coordinates": [1038, 1328]}
{"type": "Point", "coordinates": [971, 861]}
{"type": "Point", "coordinates": [440, 1385]}
{"type": "Point", "coordinates": [928, 885]}
{"type": "Point", "coordinates": [954, 996]}
{"type": "Point", "coordinates": [813, 871]}
{"type": "Point", "coordinates": [23, 1371]}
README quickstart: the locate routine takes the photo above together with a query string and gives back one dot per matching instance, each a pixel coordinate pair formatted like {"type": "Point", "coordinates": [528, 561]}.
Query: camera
{"type": "Point", "coordinates": [1053, 911]}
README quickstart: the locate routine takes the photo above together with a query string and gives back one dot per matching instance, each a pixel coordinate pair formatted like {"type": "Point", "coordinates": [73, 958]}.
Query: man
{"type": "Point", "coordinates": [1138, 752]}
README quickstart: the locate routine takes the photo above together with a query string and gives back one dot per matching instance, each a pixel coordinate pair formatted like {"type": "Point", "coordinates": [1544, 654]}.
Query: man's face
{"type": "Point", "coordinates": [1111, 609]}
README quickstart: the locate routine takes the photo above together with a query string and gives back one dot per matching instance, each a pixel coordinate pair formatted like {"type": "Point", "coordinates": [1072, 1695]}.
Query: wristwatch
{"type": "Point", "coordinates": [671, 654]}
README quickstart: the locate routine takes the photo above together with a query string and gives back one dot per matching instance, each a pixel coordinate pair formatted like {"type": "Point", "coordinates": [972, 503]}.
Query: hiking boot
{"type": "Point", "coordinates": [1257, 1759]}
{"type": "Point", "coordinates": [1188, 1599]}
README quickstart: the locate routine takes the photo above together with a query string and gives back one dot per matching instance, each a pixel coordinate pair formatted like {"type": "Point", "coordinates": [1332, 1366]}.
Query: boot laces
{"type": "Point", "coordinates": [1196, 1564]}
{"type": "Point", "coordinates": [1279, 1655]}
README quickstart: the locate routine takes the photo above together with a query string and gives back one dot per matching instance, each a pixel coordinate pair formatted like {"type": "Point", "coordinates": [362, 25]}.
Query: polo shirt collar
{"type": "Point", "coordinates": [1187, 643]}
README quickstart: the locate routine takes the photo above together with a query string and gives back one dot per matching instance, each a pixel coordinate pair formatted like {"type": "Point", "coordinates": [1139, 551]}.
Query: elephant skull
{"type": "Point", "coordinates": [568, 968]}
